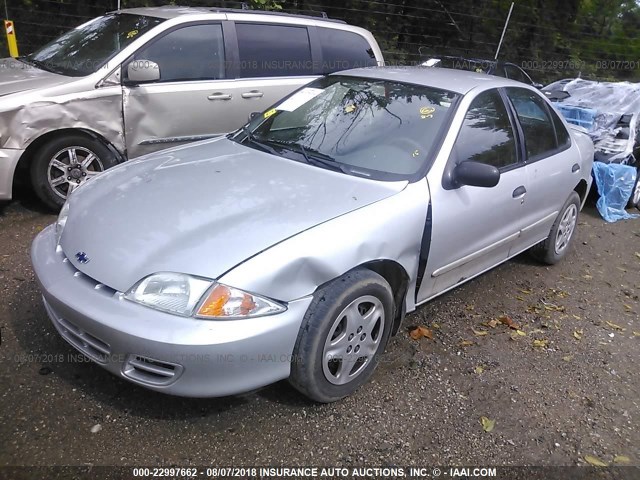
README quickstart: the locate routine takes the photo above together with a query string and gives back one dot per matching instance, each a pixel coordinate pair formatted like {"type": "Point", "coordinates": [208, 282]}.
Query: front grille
{"type": "Point", "coordinates": [100, 287]}
{"type": "Point", "coordinates": [91, 346]}
{"type": "Point", "coordinates": [149, 371]}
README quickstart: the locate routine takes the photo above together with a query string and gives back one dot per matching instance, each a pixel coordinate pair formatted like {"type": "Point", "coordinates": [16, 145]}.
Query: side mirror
{"type": "Point", "coordinates": [476, 174]}
{"type": "Point", "coordinates": [143, 71]}
{"type": "Point", "coordinates": [253, 115]}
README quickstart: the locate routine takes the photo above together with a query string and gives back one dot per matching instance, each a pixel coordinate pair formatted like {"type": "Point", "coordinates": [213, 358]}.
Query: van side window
{"type": "Point", "coordinates": [195, 52]}
{"type": "Point", "coordinates": [342, 50]}
{"type": "Point", "coordinates": [273, 50]}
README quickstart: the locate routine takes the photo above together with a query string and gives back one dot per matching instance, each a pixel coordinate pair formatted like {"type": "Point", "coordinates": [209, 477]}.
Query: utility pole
{"type": "Point", "coordinates": [504, 30]}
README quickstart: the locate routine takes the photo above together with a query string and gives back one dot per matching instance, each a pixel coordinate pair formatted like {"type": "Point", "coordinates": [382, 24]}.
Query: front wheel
{"type": "Point", "coordinates": [345, 329]}
{"type": "Point", "coordinates": [64, 164]}
{"type": "Point", "coordinates": [556, 246]}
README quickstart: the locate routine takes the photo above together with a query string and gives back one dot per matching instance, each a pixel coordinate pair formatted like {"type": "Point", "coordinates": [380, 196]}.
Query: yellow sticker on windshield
{"type": "Point", "coordinates": [132, 33]}
{"type": "Point", "coordinates": [350, 108]}
{"type": "Point", "coordinates": [268, 113]}
{"type": "Point", "coordinates": [427, 112]}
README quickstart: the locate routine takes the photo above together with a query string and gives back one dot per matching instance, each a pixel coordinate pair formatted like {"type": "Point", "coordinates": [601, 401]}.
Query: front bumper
{"type": "Point", "coordinates": [160, 351]}
{"type": "Point", "coordinates": [8, 161]}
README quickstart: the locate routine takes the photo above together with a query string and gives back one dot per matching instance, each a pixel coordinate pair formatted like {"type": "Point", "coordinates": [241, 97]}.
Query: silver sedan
{"type": "Point", "coordinates": [294, 247]}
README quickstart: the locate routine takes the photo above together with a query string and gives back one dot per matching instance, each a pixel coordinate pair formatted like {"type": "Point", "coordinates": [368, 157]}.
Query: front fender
{"type": "Point", "coordinates": [389, 229]}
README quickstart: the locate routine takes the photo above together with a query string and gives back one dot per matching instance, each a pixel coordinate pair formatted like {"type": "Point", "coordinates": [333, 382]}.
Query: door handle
{"type": "Point", "coordinates": [219, 96]}
{"type": "Point", "coordinates": [252, 94]}
{"type": "Point", "coordinates": [519, 192]}
{"type": "Point", "coordinates": [575, 168]}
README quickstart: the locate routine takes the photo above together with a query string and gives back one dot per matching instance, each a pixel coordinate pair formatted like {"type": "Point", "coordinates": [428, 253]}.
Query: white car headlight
{"type": "Point", "coordinates": [61, 221]}
{"type": "Point", "coordinates": [179, 294]}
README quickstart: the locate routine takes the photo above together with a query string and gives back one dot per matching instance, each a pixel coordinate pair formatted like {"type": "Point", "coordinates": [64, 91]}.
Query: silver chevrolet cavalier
{"type": "Point", "coordinates": [294, 247]}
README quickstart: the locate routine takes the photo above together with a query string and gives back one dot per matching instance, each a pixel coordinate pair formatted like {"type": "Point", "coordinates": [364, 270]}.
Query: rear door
{"type": "Point", "coordinates": [552, 168]}
{"type": "Point", "coordinates": [190, 101]}
{"type": "Point", "coordinates": [473, 228]}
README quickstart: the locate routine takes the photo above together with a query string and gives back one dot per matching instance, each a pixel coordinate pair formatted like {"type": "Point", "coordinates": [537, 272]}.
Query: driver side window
{"type": "Point", "coordinates": [487, 135]}
{"type": "Point", "coordinates": [191, 53]}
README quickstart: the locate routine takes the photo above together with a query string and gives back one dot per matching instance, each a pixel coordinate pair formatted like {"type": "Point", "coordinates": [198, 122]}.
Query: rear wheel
{"type": "Point", "coordinates": [556, 246]}
{"type": "Point", "coordinates": [64, 164]}
{"type": "Point", "coordinates": [634, 200]}
{"type": "Point", "coordinates": [342, 335]}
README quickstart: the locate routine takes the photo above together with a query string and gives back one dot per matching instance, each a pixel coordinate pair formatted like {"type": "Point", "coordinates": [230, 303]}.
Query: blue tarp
{"type": "Point", "coordinates": [615, 183]}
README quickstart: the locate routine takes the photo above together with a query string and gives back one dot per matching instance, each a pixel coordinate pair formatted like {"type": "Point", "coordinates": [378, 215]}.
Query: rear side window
{"type": "Point", "coordinates": [562, 135]}
{"type": "Point", "coordinates": [190, 53]}
{"type": "Point", "coordinates": [342, 50]}
{"type": "Point", "coordinates": [486, 135]}
{"type": "Point", "coordinates": [273, 50]}
{"type": "Point", "coordinates": [537, 126]}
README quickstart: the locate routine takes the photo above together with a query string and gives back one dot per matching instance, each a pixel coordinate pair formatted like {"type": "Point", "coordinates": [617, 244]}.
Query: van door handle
{"type": "Point", "coordinates": [252, 94]}
{"type": "Point", "coordinates": [575, 168]}
{"type": "Point", "coordinates": [519, 192]}
{"type": "Point", "coordinates": [219, 96]}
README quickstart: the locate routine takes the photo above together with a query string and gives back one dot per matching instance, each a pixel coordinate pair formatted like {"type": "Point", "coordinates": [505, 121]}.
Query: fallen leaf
{"type": "Point", "coordinates": [568, 358]}
{"type": "Point", "coordinates": [637, 254]}
{"type": "Point", "coordinates": [506, 320]}
{"type": "Point", "coordinates": [526, 292]}
{"type": "Point", "coordinates": [578, 334]}
{"type": "Point", "coordinates": [419, 332]}
{"type": "Point", "coordinates": [521, 333]}
{"type": "Point", "coordinates": [491, 323]}
{"type": "Point", "coordinates": [519, 298]}
{"type": "Point", "coordinates": [595, 461]}
{"type": "Point", "coordinates": [621, 459]}
{"type": "Point", "coordinates": [636, 334]}
{"type": "Point", "coordinates": [614, 326]}
{"type": "Point", "coordinates": [479, 333]}
{"type": "Point", "coordinates": [469, 307]}
{"type": "Point", "coordinates": [478, 370]}
{"type": "Point", "coordinates": [587, 277]}
{"type": "Point", "coordinates": [487, 424]}
{"type": "Point", "coordinates": [540, 343]}
{"type": "Point", "coordinates": [435, 325]}
{"type": "Point", "coordinates": [466, 343]}
{"type": "Point", "coordinates": [627, 307]}
{"type": "Point", "coordinates": [577, 317]}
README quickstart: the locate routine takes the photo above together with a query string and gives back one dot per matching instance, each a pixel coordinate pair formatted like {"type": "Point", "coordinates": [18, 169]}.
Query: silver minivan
{"type": "Point", "coordinates": [139, 80]}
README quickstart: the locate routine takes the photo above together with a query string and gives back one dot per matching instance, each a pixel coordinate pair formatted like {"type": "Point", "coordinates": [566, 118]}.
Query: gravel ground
{"type": "Point", "coordinates": [565, 388]}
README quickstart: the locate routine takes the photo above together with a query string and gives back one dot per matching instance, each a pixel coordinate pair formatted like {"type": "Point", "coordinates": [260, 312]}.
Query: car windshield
{"type": "Point", "coordinates": [361, 126]}
{"type": "Point", "coordinates": [87, 48]}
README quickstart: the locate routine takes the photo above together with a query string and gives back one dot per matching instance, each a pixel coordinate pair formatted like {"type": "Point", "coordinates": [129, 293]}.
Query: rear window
{"type": "Point", "coordinates": [342, 50]}
{"type": "Point", "coordinates": [273, 50]}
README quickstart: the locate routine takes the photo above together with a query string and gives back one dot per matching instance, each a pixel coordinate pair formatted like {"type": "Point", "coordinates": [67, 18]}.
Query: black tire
{"type": "Point", "coordinates": [325, 317]}
{"type": "Point", "coordinates": [54, 196]}
{"type": "Point", "coordinates": [634, 199]}
{"type": "Point", "coordinates": [546, 250]}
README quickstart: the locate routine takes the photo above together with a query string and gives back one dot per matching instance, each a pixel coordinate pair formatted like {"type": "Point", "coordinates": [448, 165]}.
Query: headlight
{"type": "Point", "coordinates": [179, 293]}
{"type": "Point", "coordinates": [61, 221]}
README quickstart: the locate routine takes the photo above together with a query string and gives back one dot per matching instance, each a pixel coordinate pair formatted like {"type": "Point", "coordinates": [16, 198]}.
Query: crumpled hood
{"type": "Point", "coordinates": [16, 76]}
{"type": "Point", "coordinates": [202, 209]}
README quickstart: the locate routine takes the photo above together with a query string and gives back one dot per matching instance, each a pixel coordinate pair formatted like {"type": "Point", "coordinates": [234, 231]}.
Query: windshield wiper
{"type": "Point", "coordinates": [313, 157]}
{"type": "Point", "coordinates": [259, 143]}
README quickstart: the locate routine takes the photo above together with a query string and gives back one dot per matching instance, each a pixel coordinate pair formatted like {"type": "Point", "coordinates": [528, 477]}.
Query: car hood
{"type": "Point", "coordinates": [16, 76]}
{"type": "Point", "coordinates": [202, 209]}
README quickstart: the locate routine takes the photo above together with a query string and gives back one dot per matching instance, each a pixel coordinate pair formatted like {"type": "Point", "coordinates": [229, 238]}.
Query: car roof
{"type": "Point", "coordinates": [174, 11]}
{"type": "Point", "coordinates": [458, 81]}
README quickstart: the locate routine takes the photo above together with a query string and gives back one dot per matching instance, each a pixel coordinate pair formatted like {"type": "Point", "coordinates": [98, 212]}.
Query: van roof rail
{"type": "Point", "coordinates": [244, 8]}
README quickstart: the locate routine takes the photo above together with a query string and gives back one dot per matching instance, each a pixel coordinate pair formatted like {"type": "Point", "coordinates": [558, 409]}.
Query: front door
{"type": "Point", "coordinates": [191, 100]}
{"type": "Point", "coordinates": [473, 228]}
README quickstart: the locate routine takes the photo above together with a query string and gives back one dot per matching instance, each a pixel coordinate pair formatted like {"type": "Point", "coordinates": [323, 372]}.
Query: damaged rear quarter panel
{"type": "Point", "coordinates": [389, 229]}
